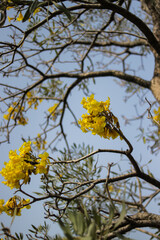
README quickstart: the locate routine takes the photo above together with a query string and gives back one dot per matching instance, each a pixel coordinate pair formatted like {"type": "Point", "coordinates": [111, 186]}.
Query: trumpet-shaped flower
{"type": "Point", "coordinates": [14, 206]}
{"type": "Point", "coordinates": [99, 119]}
{"type": "Point", "coordinates": [42, 167]}
{"type": "Point", "coordinates": [20, 166]}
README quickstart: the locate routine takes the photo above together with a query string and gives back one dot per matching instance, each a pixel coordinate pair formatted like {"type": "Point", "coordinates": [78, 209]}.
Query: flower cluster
{"type": "Point", "coordinates": [156, 118]}
{"type": "Point", "coordinates": [99, 119]}
{"type": "Point", "coordinates": [14, 206]}
{"type": "Point", "coordinates": [39, 143]}
{"type": "Point", "coordinates": [12, 114]}
{"type": "Point", "coordinates": [32, 101]}
{"type": "Point", "coordinates": [20, 166]}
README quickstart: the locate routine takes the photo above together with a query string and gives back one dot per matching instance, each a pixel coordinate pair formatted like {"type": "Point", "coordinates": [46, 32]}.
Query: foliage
{"type": "Point", "coordinates": [49, 50]}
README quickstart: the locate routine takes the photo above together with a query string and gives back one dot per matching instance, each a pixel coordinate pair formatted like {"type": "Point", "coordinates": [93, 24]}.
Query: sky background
{"type": "Point", "coordinates": [104, 88]}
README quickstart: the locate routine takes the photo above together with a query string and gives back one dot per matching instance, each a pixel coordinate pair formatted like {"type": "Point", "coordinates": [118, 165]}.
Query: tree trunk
{"type": "Point", "coordinates": [154, 11]}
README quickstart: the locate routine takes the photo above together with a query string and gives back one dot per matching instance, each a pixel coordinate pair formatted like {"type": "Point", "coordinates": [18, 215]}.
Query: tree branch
{"type": "Point", "coordinates": [108, 73]}
{"type": "Point", "coordinates": [137, 220]}
{"type": "Point", "coordinates": [135, 20]}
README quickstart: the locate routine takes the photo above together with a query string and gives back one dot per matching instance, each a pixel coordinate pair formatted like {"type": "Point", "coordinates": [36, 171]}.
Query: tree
{"type": "Point", "coordinates": [52, 48]}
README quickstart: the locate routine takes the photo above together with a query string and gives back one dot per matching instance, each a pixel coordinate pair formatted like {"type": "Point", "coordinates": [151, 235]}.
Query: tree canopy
{"type": "Point", "coordinates": [50, 50]}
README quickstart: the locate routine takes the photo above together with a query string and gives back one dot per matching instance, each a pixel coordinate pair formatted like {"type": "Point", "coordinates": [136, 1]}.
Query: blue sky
{"type": "Point", "coordinates": [104, 88]}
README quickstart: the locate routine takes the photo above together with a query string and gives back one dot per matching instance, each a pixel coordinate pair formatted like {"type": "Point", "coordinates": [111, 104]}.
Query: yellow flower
{"type": "Point", "coordinates": [40, 143]}
{"type": "Point", "coordinates": [99, 119]}
{"type": "Point", "coordinates": [29, 94]}
{"type": "Point", "coordinates": [110, 188]}
{"type": "Point", "coordinates": [20, 166]}
{"type": "Point", "coordinates": [14, 205]}
{"type": "Point", "coordinates": [6, 116]}
{"type": "Point", "coordinates": [52, 111]}
{"type": "Point", "coordinates": [12, 114]}
{"type": "Point", "coordinates": [42, 167]}
{"type": "Point", "coordinates": [20, 17]}
{"type": "Point", "coordinates": [156, 118]}
{"type": "Point", "coordinates": [32, 101]}
{"type": "Point", "coordinates": [9, 7]}
{"type": "Point", "coordinates": [17, 168]}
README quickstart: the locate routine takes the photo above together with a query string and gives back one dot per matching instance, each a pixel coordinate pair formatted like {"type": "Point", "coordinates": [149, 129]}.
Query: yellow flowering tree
{"type": "Point", "coordinates": [91, 144]}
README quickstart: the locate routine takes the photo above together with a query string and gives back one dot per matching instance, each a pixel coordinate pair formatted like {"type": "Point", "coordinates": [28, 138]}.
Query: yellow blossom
{"type": "Point", "coordinates": [156, 118]}
{"type": "Point", "coordinates": [14, 206]}
{"type": "Point", "coordinates": [20, 17]}
{"type": "Point", "coordinates": [42, 167]}
{"type": "Point", "coordinates": [32, 101]}
{"type": "Point", "coordinates": [12, 114]}
{"type": "Point", "coordinates": [38, 135]}
{"type": "Point", "coordinates": [40, 143]}
{"type": "Point", "coordinates": [20, 166]}
{"type": "Point", "coordinates": [99, 119]}
{"type": "Point", "coordinates": [52, 111]}
{"type": "Point", "coordinates": [110, 188]}
{"type": "Point", "coordinates": [9, 7]}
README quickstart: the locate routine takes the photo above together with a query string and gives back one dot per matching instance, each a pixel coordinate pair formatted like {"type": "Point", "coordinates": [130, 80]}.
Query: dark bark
{"type": "Point", "coordinates": [154, 11]}
{"type": "Point", "coordinates": [138, 220]}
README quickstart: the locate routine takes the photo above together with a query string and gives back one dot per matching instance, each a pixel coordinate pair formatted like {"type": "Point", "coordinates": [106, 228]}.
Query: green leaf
{"type": "Point", "coordinates": [92, 231]}
{"type": "Point", "coordinates": [66, 230]}
{"type": "Point", "coordinates": [122, 215]}
{"type": "Point", "coordinates": [88, 220]}
{"type": "Point", "coordinates": [32, 231]}
{"type": "Point", "coordinates": [14, 215]}
{"type": "Point", "coordinates": [96, 216]}
{"type": "Point", "coordinates": [149, 173]}
{"type": "Point", "coordinates": [38, 193]}
{"type": "Point", "coordinates": [21, 235]}
{"type": "Point", "coordinates": [77, 220]}
{"type": "Point", "coordinates": [63, 9]}
{"type": "Point", "coordinates": [86, 238]}
{"type": "Point", "coordinates": [30, 10]}
{"type": "Point", "coordinates": [111, 214]}
{"type": "Point", "coordinates": [34, 227]}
